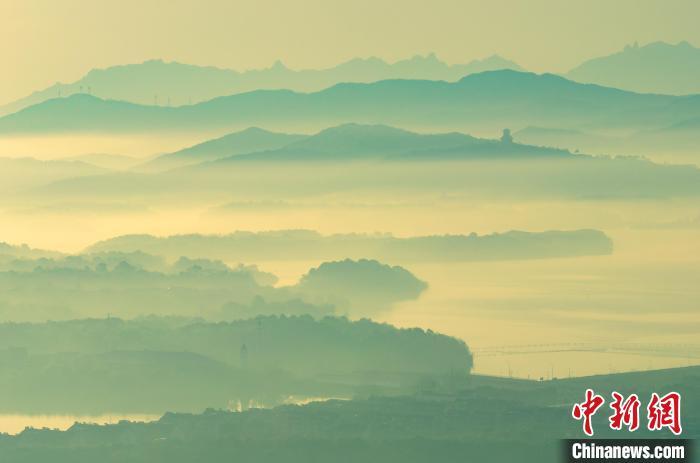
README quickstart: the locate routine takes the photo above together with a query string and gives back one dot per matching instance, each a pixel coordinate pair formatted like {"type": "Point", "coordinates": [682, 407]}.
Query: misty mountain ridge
{"type": "Point", "coordinates": [348, 142]}
{"type": "Point", "coordinates": [678, 141]}
{"type": "Point", "coordinates": [246, 141]}
{"type": "Point", "coordinates": [657, 67]}
{"type": "Point", "coordinates": [172, 83]}
{"type": "Point", "coordinates": [486, 101]}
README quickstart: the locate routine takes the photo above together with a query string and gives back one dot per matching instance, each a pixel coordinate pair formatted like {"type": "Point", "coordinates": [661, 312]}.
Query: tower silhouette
{"type": "Point", "coordinates": [506, 137]}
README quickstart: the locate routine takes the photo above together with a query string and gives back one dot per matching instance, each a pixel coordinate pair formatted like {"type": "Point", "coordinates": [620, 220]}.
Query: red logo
{"type": "Point", "coordinates": [626, 412]}
{"type": "Point", "coordinates": [662, 412]}
{"type": "Point", "coordinates": [586, 409]}
{"type": "Point", "coordinates": [665, 412]}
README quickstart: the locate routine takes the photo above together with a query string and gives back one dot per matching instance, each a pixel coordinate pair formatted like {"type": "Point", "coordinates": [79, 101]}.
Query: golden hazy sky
{"type": "Point", "coordinates": [44, 41]}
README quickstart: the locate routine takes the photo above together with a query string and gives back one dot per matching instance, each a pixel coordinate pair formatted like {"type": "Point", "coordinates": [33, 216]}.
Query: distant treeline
{"type": "Point", "coordinates": [135, 284]}
{"type": "Point", "coordinates": [309, 245]}
{"type": "Point", "coordinates": [301, 344]}
{"type": "Point", "coordinates": [156, 364]}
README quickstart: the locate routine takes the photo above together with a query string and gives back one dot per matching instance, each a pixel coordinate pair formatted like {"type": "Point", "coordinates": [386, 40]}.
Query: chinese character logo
{"type": "Point", "coordinates": [662, 412]}
{"type": "Point", "coordinates": [625, 412]}
{"type": "Point", "coordinates": [665, 412]}
{"type": "Point", "coordinates": [586, 409]}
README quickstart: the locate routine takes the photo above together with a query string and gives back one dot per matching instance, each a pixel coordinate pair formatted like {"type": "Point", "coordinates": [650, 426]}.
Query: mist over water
{"type": "Point", "coordinates": [632, 310]}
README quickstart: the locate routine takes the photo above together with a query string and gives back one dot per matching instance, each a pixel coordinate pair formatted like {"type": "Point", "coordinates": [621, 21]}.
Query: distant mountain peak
{"type": "Point", "coordinates": [354, 127]}
{"type": "Point", "coordinates": [511, 75]}
{"type": "Point", "coordinates": [659, 45]}
{"type": "Point", "coordinates": [255, 130]}
{"type": "Point", "coordinates": [72, 100]}
{"type": "Point", "coordinates": [248, 140]}
{"type": "Point", "coordinates": [499, 60]}
{"type": "Point", "coordinates": [278, 65]}
{"type": "Point", "coordinates": [657, 67]}
{"type": "Point", "coordinates": [432, 56]}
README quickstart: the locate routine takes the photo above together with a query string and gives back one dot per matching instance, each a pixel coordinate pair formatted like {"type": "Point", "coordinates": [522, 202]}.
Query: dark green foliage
{"type": "Point", "coordinates": [503, 421]}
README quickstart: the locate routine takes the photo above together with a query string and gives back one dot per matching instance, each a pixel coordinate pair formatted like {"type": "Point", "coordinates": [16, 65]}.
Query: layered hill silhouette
{"type": "Point", "coordinates": [307, 244]}
{"type": "Point", "coordinates": [379, 159]}
{"type": "Point", "coordinates": [247, 141]}
{"type": "Point", "coordinates": [343, 143]}
{"type": "Point", "coordinates": [351, 142]}
{"type": "Point", "coordinates": [17, 174]}
{"type": "Point", "coordinates": [172, 83]}
{"type": "Point", "coordinates": [674, 141]}
{"type": "Point", "coordinates": [485, 101]}
{"type": "Point", "coordinates": [657, 67]}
